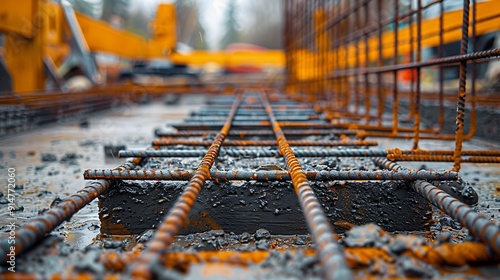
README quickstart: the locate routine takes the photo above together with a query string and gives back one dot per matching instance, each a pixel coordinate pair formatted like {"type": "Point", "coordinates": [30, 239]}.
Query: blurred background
{"type": "Point", "coordinates": [201, 24]}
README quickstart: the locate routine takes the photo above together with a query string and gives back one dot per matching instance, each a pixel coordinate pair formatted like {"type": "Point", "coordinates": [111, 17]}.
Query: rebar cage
{"type": "Point", "coordinates": [383, 66]}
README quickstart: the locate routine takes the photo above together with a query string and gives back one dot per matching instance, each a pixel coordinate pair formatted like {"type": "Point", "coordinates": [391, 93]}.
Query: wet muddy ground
{"type": "Point", "coordinates": [49, 163]}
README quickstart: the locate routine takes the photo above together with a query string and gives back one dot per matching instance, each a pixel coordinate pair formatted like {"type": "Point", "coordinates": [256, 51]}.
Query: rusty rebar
{"type": "Point", "coordinates": [490, 153]}
{"type": "Point", "coordinates": [330, 253]}
{"type": "Point", "coordinates": [177, 215]}
{"type": "Point", "coordinates": [255, 153]}
{"type": "Point", "coordinates": [36, 229]}
{"type": "Point", "coordinates": [223, 112]}
{"type": "Point", "coordinates": [443, 158]}
{"type": "Point", "coordinates": [268, 175]}
{"type": "Point", "coordinates": [174, 141]}
{"type": "Point", "coordinates": [459, 133]}
{"type": "Point", "coordinates": [250, 133]}
{"type": "Point", "coordinates": [251, 125]}
{"type": "Point", "coordinates": [478, 225]}
{"type": "Point", "coordinates": [285, 118]}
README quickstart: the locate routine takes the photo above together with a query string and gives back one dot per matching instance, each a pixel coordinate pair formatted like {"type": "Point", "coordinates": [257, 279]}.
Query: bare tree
{"type": "Point", "coordinates": [232, 35]}
{"type": "Point", "coordinates": [189, 29]}
{"type": "Point", "coordinates": [266, 29]}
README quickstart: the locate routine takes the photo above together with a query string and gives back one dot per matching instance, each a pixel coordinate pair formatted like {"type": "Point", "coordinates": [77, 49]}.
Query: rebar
{"type": "Point", "coordinates": [286, 118]}
{"type": "Point", "coordinates": [329, 252]}
{"type": "Point", "coordinates": [478, 225]}
{"type": "Point", "coordinates": [177, 215]}
{"type": "Point", "coordinates": [174, 141]}
{"type": "Point", "coordinates": [459, 133]}
{"type": "Point", "coordinates": [223, 112]}
{"type": "Point", "coordinates": [36, 229]}
{"type": "Point", "coordinates": [443, 158]}
{"type": "Point", "coordinates": [268, 175]}
{"type": "Point", "coordinates": [256, 153]}
{"type": "Point", "coordinates": [251, 125]}
{"type": "Point", "coordinates": [252, 133]}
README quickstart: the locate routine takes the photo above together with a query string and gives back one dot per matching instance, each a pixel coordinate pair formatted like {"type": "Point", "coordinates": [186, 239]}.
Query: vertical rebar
{"type": "Point", "coordinates": [380, 95]}
{"type": "Point", "coordinates": [395, 95]}
{"type": "Point", "coordinates": [330, 253]}
{"type": "Point", "coordinates": [418, 82]}
{"type": "Point", "coordinates": [367, 62]}
{"type": "Point", "coordinates": [178, 214]}
{"type": "Point", "coordinates": [459, 133]}
{"type": "Point", "coordinates": [441, 68]}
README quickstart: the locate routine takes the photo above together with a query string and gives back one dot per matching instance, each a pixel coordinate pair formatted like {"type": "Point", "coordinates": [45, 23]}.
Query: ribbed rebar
{"type": "Point", "coordinates": [177, 215]}
{"type": "Point", "coordinates": [268, 175]}
{"type": "Point", "coordinates": [243, 112]}
{"type": "Point", "coordinates": [478, 225]}
{"type": "Point", "coordinates": [255, 153]}
{"type": "Point", "coordinates": [330, 253]}
{"type": "Point", "coordinates": [443, 158]}
{"type": "Point", "coordinates": [174, 141]}
{"type": "Point", "coordinates": [250, 133]}
{"type": "Point", "coordinates": [459, 133]}
{"type": "Point", "coordinates": [491, 153]}
{"type": "Point", "coordinates": [36, 229]}
{"type": "Point", "coordinates": [284, 118]}
{"type": "Point", "coordinates": [250, 125]}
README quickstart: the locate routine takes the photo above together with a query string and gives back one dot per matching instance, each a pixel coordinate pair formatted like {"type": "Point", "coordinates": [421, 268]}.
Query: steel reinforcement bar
{"type": "Point", "coordinates": [301, 152]}
{"type": "Point", "coordinates": [330, 253]}
{"type": "Point", "coordinates": [478, 225]}
{"type": "Point", "coordinates": [251, 133]}
{"type": "Point", "coordinates": [177, 215]}
{"type": "Point", "coordinates": [36, 229]}
{"type": "Point", "coordinates": [268, 175]}
{"type": "Point", "coordinates": [173, 141]}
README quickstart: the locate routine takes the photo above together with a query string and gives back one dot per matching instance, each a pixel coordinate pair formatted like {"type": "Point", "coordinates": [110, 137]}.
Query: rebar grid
{"type": "Point", "coordinates": [365, 62]}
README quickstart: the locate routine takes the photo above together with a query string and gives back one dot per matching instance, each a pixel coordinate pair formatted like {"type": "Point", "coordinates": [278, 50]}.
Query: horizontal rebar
{"type": "Point", "coordinates": [250, 125]}
{"type": "Point", "coordinates": [241, 112]}
{"type": "Point", "coordinates": [173, 141]}
{"type": "Point", "coordinates": [287, 118]}
{"type": "Point", "coordinates": [477, 224]}
{"type": "Point", "coordinates": [255, 153]}
{"type": "Point", "coordinates": [398, 152]}
{"type": "Point", "coordinates": [250, 133]}
{"type": "Point", "coordinates": [268, 175]}
{"type": "Point", "coordinates": [443, 158]}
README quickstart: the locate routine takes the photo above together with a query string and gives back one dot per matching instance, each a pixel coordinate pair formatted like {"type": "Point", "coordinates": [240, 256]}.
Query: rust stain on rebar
{"type": "Point", "coordinates": [177, 215]}
{"type": "Point", "coordinates": [330, 254]}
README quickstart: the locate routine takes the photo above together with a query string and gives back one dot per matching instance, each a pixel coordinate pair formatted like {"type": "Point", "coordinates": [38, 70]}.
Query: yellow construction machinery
{"type": "Point", "coordinates": [48, 42]}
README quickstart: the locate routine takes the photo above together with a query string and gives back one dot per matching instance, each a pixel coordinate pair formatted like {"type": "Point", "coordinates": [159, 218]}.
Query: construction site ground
{"type": "Point", "coordinates": [49, 163]}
